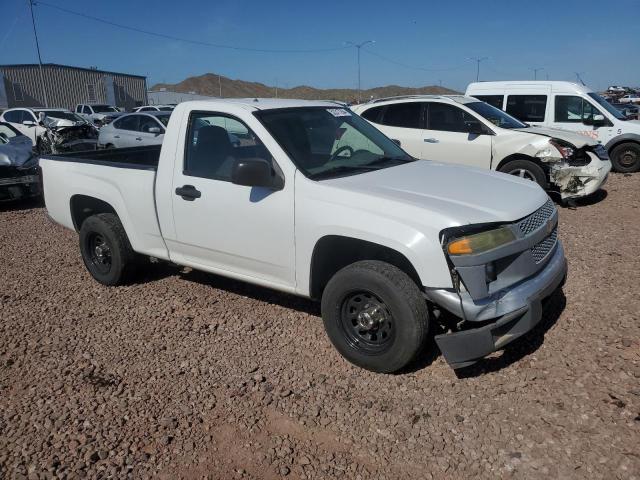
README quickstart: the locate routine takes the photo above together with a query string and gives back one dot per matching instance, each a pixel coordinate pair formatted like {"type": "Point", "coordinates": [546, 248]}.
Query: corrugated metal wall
{"type": "Point", "coordinates": [68, 86]}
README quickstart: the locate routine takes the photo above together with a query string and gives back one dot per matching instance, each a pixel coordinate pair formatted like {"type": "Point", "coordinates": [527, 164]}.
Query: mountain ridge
{"type": "Point", "coordinates": [210, 83]}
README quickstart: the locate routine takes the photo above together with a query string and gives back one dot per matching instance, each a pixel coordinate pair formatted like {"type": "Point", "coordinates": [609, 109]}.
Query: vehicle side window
{"type": "Point", "coordinates": [130, 122]}
{"type": "Point", "coordinates": [78, 108]}
{"type": "Point", "coordinates": [527, 108]}
{"type": "Point", "coordinates": [215, 141]}
{"type": "Point", "coordinates": [148, 122]}
{"type": "Point", "coordinates": [86, 110]}
{"type": "Point", "coordinates": [406, 115]}
{"type": "Point", "coordinates": [373, 114]}
{"type": "Point", "coordinates": [145, 109]}
{"type": "Point", "coordinates": [494, 100]}
{"type": "Point", "coordinates": [14, 116]}
{"type": "Point", "coordinates": [573, 109]}
{"type": "Point", "coordinates": [447, 118]}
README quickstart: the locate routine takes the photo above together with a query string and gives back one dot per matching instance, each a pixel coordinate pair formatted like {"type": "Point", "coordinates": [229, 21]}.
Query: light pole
{"type": "Point", "coordinates": [535, 72]}
{"type": "Point", "coordinates": [358, 47]}
{"type": "Point", "coordinates": [478, 60]}
{"type": "Point", "coordinates": [35, 34]}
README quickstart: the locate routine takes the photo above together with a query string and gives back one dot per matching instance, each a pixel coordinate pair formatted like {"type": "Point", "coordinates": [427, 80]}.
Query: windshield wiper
{"type": "Point", "coordinates": [337, 171]}
{"type": "Point", "coordinates": [380, 160]}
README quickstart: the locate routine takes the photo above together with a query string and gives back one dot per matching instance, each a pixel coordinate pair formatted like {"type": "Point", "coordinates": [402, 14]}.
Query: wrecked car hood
{"type": "Point", "coordinates": [575, 139]}
{"type": "Point", "coordinates": [16, 153]}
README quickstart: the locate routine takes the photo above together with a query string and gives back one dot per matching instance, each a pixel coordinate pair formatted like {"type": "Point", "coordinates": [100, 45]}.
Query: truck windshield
{"type": "Point", "coordinates": [328, 142]}
{"type": "Point", "coordinates": [495, 115]}
{"type": "Point", "coordinates": [607, 106]}
{"type": "Point", "coordinates": [62, 115]}
{"type": "Point", "coordinates": [104, 109]}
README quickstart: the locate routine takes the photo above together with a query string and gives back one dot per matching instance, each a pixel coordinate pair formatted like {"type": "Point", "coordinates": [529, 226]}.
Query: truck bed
{"type": "Point", "coordinates": [123, 179]}
{"type": "Point", "coordinates": [141, 158]}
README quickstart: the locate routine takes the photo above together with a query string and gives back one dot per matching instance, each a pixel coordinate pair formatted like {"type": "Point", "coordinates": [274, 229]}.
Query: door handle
{"type": "Point", "coordinates": [139, 138]}
{"type": "Point", "coordinates": [188, 192]}
{"type": "Point", "coordinates": [431, 140]}
{"type": "Point", "coordinates": [116, 136]}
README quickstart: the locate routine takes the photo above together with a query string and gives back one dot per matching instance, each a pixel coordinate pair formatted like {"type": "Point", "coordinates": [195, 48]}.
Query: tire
{"type": "Point", "coordinates": [526, 169]}
{"type": "Point", "coordinates": [109, 146]}
{"type": "Point", "coordinates": [625, 158]}
{"type": "Point", "coordinates": [106, 250]}
{"type": "Point", "coordinates": [395, 314]}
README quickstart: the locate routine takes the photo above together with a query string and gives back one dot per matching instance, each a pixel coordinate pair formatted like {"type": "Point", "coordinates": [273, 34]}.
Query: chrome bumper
{"type": "Point", "coordinates": [515, 311]}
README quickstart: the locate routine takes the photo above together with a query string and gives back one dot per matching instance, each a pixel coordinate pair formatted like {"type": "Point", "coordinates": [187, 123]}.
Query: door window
{"type": "Point", "coordinates": [573, 109]}
{"type": "Point", "coordinates": [78, 108]}
{"type": "Point", "coordinates": [448, 118]}
{"type": "Point", "coordinates": [215, 142]}
{"type": "Point", "coordinates": [373, 114]}
{"type": "Point", "coordinates": [495, 100]}
{"type": "Point", "coordinates": [86, 110]}
{"type": "Point", "coordinates": [527, 108]}
{"type": "Point", "coordinates": [129, 122]}
{"type": "Point", "coordinates": [147, 122]}
{"type": "Point", "coordinates": [406, 115]}
{"type": "Point", "coordinates": [14, 116]}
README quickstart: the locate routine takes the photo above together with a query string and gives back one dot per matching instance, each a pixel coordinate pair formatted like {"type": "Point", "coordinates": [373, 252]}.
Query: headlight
{"type": "Point", "coordinates": [556, 149]}
{"type": "Point", "coordinates": [480, 242]}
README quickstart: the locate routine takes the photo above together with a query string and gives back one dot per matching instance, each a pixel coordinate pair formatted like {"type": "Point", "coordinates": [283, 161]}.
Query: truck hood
{"type": "Point", "coordinates": [575, 139]}
{"type": "Point", "coordinates": [459, 195]}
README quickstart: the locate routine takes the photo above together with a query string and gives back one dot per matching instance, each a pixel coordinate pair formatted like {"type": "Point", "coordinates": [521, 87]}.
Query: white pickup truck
{"type": "Point", "coordinates": [314, 201]}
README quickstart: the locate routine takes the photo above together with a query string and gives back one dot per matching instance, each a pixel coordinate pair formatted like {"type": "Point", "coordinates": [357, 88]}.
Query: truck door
{"type": "Point", "coordinates": [575, 113]}
{"type": "Point", "coordinates": [447, 138]}
{"type": "Point", "coordinates": [246, 232]}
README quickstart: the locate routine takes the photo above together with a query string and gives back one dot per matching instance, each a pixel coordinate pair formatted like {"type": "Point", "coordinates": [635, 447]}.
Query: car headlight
{"type": "Point", "coordinates": [481, 242]}
{"type": "Point", "coordinates": [556, 149]}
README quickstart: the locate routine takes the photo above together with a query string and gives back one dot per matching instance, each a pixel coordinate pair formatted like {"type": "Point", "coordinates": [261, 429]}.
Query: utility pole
{"type": "Point", "coordinates": [35, 34]}
{"type": "Point", "coordinates": [219, 86]}
{"type": "Point", "coordinates": [358, 47]}
{"type": "Point", "coordinates": [478, 60]}
{"type": "Point", "coordinates": [535, 72]}
{"type": "Point", "coordinates": [276, 88]}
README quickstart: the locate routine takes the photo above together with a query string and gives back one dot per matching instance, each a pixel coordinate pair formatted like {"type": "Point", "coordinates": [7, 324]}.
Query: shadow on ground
{"type": "Point", "coordinates": [514, 352]}
{"type": "Point", "coordinates": [24, 204]}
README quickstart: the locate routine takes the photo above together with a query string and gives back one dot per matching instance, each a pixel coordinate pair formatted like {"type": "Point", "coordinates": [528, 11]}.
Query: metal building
{"type": "Point", "coordinates": [65, 87]}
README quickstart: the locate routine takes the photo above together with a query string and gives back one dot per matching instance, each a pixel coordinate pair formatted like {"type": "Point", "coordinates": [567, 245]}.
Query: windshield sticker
{"type": "Point", "coordinates": [338, 112]}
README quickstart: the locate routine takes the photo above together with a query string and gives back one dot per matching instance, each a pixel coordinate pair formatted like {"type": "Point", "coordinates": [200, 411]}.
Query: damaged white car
{"type": "Point", "coordinates": [18, 165]}
{"type": "Point", "coordinates": [464, 130]}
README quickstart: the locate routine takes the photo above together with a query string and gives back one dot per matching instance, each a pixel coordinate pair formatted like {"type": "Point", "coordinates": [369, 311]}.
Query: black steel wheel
{"type": "Point", "coordinates": [375, 315]}
{"type": "Point", "coordinates": [625, 158]}
{"type": "Point", "coordinates": [106, 250]}
{"type": "Point", "coordinates": [366, 322]}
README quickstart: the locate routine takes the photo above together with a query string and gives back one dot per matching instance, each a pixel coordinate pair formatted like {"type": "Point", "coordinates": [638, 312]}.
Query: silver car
{"type": "Point", "coordinates": [134, 130]}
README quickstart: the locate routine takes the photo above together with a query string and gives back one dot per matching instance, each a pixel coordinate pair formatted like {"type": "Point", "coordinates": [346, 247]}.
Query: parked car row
{"type": "Point", "coordinates": [569, 107]}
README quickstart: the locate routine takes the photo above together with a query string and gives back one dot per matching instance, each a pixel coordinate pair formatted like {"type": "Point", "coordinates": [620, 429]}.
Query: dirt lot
{"type": "Point", "coordinates": [191, 375]}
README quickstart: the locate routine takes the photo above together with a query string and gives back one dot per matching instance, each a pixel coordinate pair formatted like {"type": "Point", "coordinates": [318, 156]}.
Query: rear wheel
{"type": "Point", "coordinates": [625, 158]}
{"type": "Point", "coordinates": [528, 170]}
{"type": "Point", "coordinates": [375, 316]}
{"type": "Point", "coordinates": [106, 250]}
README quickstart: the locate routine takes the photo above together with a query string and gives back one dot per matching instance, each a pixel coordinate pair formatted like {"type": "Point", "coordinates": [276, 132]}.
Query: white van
{"type": "Point", "coordinates": [568, 106]}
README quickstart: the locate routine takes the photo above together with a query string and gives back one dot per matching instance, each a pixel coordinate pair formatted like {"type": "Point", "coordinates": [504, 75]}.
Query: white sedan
{"type": "Point", "coordinates": [134, 130]}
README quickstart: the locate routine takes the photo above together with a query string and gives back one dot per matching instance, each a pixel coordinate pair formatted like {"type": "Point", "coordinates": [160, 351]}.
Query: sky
{"type": "Point", "coordinates": [417, 43]}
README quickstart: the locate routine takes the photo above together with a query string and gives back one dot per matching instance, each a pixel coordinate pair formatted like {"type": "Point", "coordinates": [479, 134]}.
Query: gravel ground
{"type": "Point", "coordinates": [190, 375]}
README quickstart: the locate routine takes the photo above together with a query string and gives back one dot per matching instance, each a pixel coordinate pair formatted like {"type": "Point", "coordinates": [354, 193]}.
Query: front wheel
{"type": "Point", "coordinates": [375, 316]}
{"type": "Point", "coordinates": [528, 170]}
{"type": "Point", "coordinates": [106, 250]}
{"type": "Point", "coordinates": [625, 158]}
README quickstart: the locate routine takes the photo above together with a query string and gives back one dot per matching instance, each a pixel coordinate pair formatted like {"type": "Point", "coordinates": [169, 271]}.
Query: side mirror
{"type": "Point", "coordinates": [155, 130]}
{"type": "Point", "coordinates": [29, 123]}
{"type": "Point", "coordinates": [255, 172]}
{"type": "Point", "coordinates": [595, 120]}
{"type": "Point", "coordinates": [396, 141]}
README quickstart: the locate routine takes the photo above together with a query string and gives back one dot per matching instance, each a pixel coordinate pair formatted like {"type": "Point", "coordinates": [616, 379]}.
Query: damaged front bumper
{"type": "Point", "coordinates": [500, 318]}
{"type": "Point", "coordinates": [16, 184]}
{"type": "Point", "coordinates": [576, 181]}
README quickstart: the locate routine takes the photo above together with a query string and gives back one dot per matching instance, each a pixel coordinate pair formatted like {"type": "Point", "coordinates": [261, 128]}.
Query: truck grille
{"type": "Point", "coordinates": [542, 249]}
{"type": "Point", "coordinates": [537, 219]}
